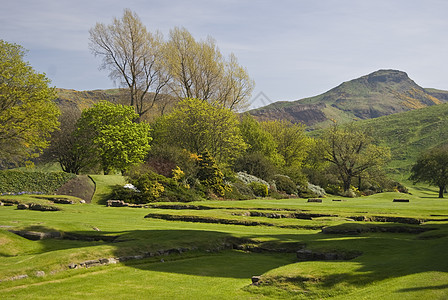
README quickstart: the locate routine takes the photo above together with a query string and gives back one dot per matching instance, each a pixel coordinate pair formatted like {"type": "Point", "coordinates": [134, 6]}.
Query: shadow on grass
{"type": "Point", "coordinates": [433, 287]}
{"type": "Point", "coordinates": [385, 255]}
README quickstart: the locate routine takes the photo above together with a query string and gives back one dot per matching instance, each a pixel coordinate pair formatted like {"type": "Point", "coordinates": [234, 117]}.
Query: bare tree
{"type": "Point", "coordinates": [199, 70]}
{"type": "Point", "coordinates": [237, 85]}
{"type": "Point", "coordinates": [134, 58]}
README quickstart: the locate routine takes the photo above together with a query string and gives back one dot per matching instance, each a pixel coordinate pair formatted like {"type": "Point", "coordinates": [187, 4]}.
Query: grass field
{"type": "Point", "coordinates": [212, 257]}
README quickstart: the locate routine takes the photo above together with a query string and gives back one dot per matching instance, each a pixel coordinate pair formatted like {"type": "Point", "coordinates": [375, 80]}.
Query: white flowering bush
{"type": "Point", "coordinates": [247, 178]}
{"type": "Point", "coordinates": [131, 187]}
{"type": "Point", "coordinates": [320, 192]}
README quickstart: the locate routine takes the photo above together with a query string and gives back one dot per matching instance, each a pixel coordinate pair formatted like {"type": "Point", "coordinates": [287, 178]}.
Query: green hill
{"type": "Point", "coordinates": [72, 100]}
{"type": "Point", "coordinates": [381, 93]}
{"type": "Point", "coordinates": [409, 133]}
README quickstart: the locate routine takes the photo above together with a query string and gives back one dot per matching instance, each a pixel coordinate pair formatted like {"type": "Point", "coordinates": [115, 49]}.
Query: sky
{"type": "Point", "coordinates": [292, 49]}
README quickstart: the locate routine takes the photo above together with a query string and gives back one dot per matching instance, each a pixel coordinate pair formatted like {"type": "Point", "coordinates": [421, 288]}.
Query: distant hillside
{"type": "Point", "coordinates": [409, 133]}
{"type": "Point", "coordinates": [381, 93]}
{"type": "Point", "coordinates": [80, 100]}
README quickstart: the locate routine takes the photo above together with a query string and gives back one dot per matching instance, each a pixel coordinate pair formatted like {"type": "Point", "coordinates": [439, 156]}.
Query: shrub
{"type": "Point", "coordinates": [284, 184]}
{"type": "Point", "coordinates": [296, 174]}
{"type": "Point", "coordinates": [15, 181]}
{"type": "Point", "coordinates": [317, 190]}
{"type": "Point", "coordinates": [255, 164]}
{"type": "Point", "coordinates": [247, 178]}
{"type": "Point", "coordinates": [239, 191]}
{"type": "Point", "coordinates": [164, 158]}
{"type": "Point", "coordinates": [210, 175]}
{"type": "Point", "coordinates": [155, 187]}
{"type": "Point", "coordinates": [259, 189]}
{"type": "Point", "coordinates": [127, 195]}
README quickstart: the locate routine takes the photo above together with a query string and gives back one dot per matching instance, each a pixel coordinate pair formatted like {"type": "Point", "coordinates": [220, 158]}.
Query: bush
{"type": "Point", "coordinates": [296, 174]}
{"type": "Point", "coordinates": [317, 190]}
{"type": "Point", "coordinates": [127, 195]}
{"type": "Point", "coordinates": [210, 175]}
{"type": "Point", "coordinates": [255, 164]}
{"type": "Point", "coordinates": [155, 187]}
{"type": "Point", "coordinates": [239, 191]}
{"type": "Point", "coordinates": [164, 158]}
{"type": "Point", "coordinates": [247, 178]}
{"type": "Point", "coordinates": [15, 181]}
{"type": "Point", "coordinates": [259, 189]}
{"type": "Point", "coordinates": [284, 184]}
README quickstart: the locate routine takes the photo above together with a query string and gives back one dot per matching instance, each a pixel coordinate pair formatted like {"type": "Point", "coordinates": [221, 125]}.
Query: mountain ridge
{"type": "Point", "coordinates": [380, 93]}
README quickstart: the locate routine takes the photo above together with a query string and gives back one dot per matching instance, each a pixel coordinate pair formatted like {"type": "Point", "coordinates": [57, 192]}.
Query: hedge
{"type": "Point", "coordinates": [23, 182]}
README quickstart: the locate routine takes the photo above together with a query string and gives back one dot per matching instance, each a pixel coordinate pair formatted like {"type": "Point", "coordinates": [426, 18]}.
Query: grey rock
{"type": "Point", "coordinates": [256, 280]}
{"type": "Point", "coordinates": [22, 206]}
{"type": "Point", "coordinates": [40, 273]}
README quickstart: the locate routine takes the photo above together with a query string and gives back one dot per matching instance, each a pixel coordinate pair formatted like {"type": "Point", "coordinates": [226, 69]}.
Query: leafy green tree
{"type": "Point", "coordinates": [257, 138]}
{"type": "Point", "coordinates": [197, 125]}
{"type": "Point", "coordinates": [352, 152]}
{"type": "Point", "coordinates": [117, 141]}
{"type": "Point", "coordinates": [255, 164]}
{"type": "Point", "coordinates": [432, 167]}
{"type": "Point", "coordinates": [27, 112]}
{"type": "Point", "coordinates": [292, 142]}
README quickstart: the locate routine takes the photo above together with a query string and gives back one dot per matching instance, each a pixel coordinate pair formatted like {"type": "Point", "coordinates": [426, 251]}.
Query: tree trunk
{"type": "Point", "coordinates": [441, 189]}
{"type": "Point", "coordinates": [347, 183]}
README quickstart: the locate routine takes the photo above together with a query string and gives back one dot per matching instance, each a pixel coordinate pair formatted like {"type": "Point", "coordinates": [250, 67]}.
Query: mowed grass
{"type": "Point", "coordinates": [392, 265]}
{"type": "Point", "coordinates": [104, 185]}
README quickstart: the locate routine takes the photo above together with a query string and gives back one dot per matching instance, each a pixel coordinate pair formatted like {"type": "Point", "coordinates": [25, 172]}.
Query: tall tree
{"type": "Point", "coordinates": [117, 141]}
{"type": "Point", "coordinates": [199, 126]}
{"type": "Point", "coordinates": [134, 57]}
{"type": "Point", "coordinates": [27, 112]}
{"type": "Point", "coordinates": [292, 142]}
{"type": "Point", "coordinates": [352, 152]}
{"type": "Point", "coordinates": [258, 139]}
{"type": "Point", "coordinates": [432, 167]}
{"type": "Point", "coordinates": [71, 151]}
{"type": "Point", "coordinates": [199, 71]}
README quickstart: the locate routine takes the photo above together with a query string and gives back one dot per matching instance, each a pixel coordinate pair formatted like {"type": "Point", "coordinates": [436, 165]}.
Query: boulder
{"type": "Point", "coordinates": [22, 206]}
{"type": "Point", "coordinates": [116, 203]}
{"type": "Point", "coordinates": [40, 273]}
{"type": "Point", "coordinates": [40, 207]}
{"type": "Point", "coordinates": [316, 200]}
{"type": "Point", "coordinates": [256, 280]}
{"type": "Point", "coordinates": [401, 200]}
{"type": "Point", "coordinates": [18, 277]}
{"type": "Point", "coordinates": [63, 201]}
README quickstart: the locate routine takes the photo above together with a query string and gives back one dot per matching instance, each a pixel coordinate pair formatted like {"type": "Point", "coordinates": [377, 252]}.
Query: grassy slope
{"type": "Point", "coordinates": [103, 186]}
{"type": "Point", "coordinates": [409, 133]}
{"type": "Point", "coordinates": [393, 266]}
{"type": "Point", "coordinates": [380, 93]}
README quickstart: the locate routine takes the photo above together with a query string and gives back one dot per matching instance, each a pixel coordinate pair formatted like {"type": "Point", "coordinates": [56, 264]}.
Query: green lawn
{"type": "Point", "coordinates": [392, 265]}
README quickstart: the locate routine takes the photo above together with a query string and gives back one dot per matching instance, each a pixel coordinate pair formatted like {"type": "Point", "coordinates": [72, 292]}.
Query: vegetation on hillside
{"type": "Point", "coordinates": [380, 93]}
{"type": "Point", "coordinates": [408, 134]}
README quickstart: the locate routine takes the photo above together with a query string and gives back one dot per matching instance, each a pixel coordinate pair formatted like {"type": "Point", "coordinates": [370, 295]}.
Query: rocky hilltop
{"type": "Point", "coordinates": [380, 93]}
